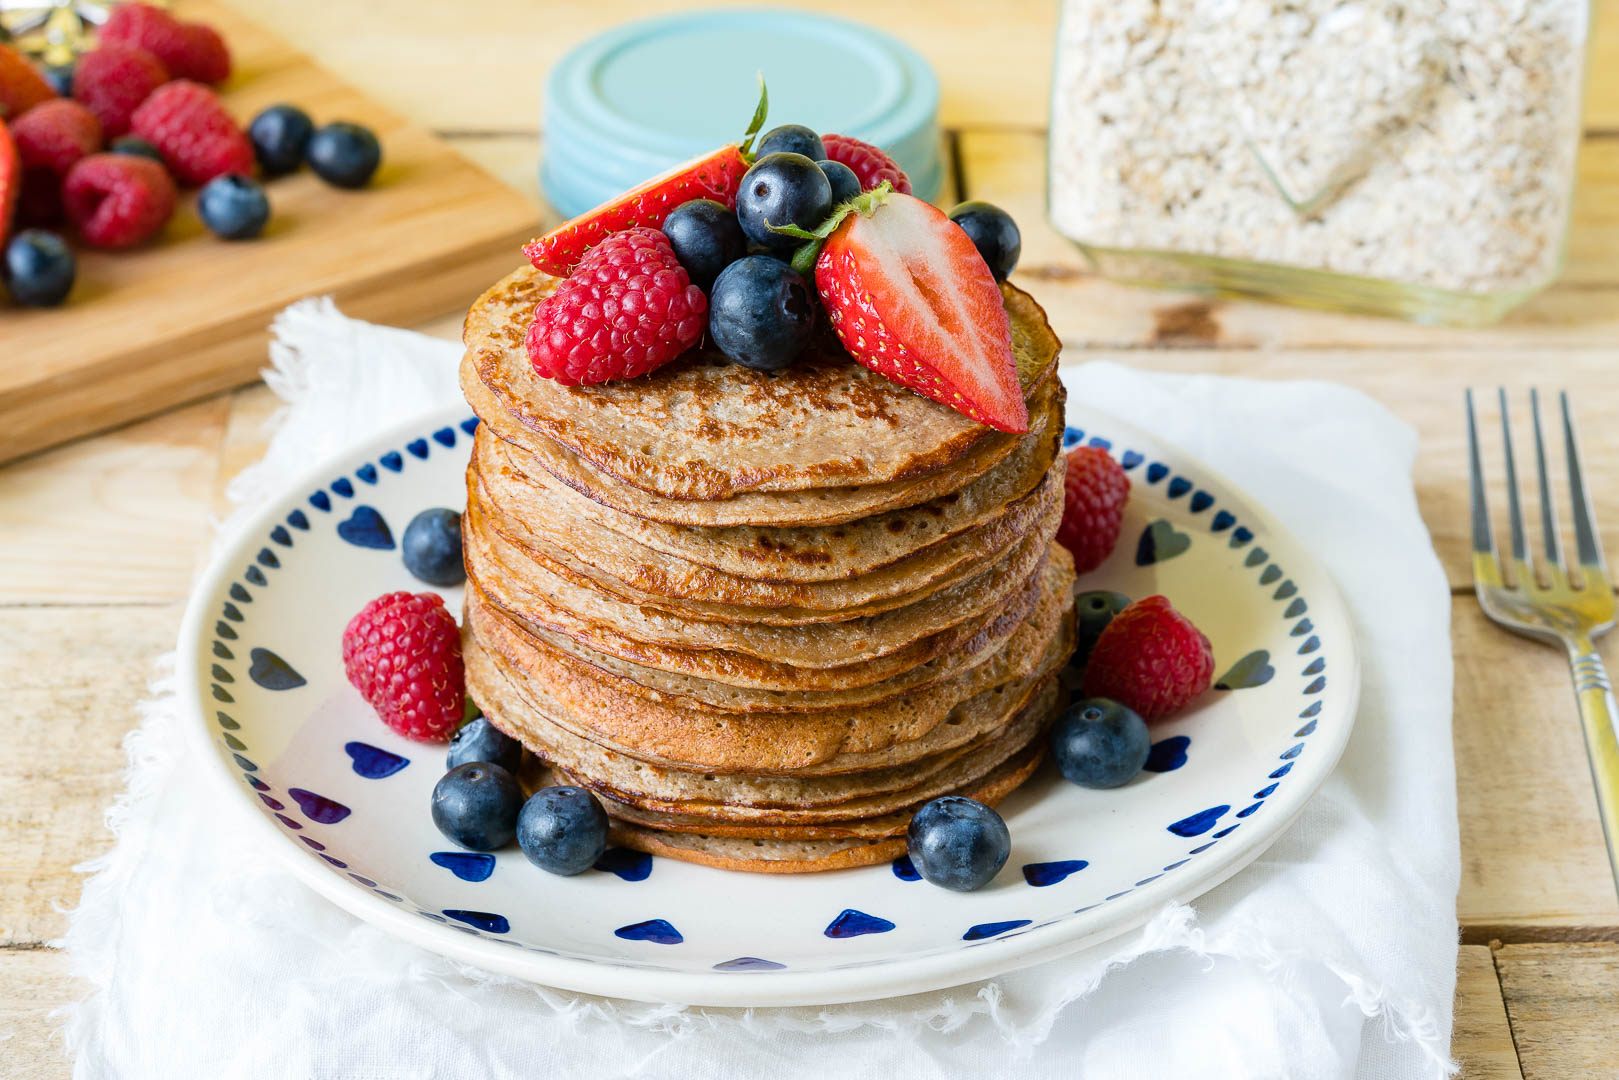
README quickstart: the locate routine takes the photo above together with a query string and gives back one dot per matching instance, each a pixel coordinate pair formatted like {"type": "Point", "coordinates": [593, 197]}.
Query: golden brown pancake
{"type": "Point", "coordinates": [703, 428]}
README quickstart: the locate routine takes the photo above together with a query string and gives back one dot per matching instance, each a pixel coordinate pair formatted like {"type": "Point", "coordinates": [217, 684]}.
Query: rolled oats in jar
{"type": "Point", "coordinates": [1413, 158]}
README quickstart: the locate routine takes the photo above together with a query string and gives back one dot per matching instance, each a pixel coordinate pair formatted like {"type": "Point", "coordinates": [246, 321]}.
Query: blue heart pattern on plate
{"type": "Point", "coordinates": [272, 672]}
{"type": "Point", "coordinates": [366, 528]}
{"type": "Point", "coordinates": [373, 762]}
{"type": "Point", "coordinates": [1160, 541]}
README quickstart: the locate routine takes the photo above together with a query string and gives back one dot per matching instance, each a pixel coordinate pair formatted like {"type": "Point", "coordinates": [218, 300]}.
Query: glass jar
{"type": "Point", "coordinates": [1410, 158]}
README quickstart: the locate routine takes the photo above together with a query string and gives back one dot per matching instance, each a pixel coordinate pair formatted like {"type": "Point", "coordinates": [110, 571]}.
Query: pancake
{"type": "Point", "coordinates": [704, 428]}
{"type": "Point", "coordinates": [656, 786]}
{"type": "Point", "coordinates": [989, 790]}
{"type": "Point", "coordinates": [751, 673]}
{"type": "Point", "coordinates": [726, 697]}
{"type": "Point", "coordinates": [627, 568]}
{"type": "Point", "coordinates": [570, 694]}
{"type": "Point", "coordinates": [803, 554]}
{"type": "Point", "coordinates": [839, 800]}
{"type": "Point", "coordinates": [791, 509]}
{"type": "Point", "coordinates": [589, 616]}
{"type": "Point", "coordinates": [684, 692]}
{"type": "Point", "coordinates": [543, 724]}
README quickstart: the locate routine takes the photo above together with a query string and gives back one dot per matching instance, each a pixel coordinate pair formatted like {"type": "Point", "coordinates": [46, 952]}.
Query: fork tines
{"type": "Point", "coordinates": [1588, 545]}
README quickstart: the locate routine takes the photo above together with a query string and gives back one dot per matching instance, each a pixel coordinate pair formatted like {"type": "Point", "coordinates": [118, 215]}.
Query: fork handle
{"type": "Point", "coordinates": [1599, 716]}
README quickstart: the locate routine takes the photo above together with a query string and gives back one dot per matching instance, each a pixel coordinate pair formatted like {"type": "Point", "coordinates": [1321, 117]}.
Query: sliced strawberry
{"type": "Point", "coordinates": [713, 176]}
{"type": "Point", "coordinates": [911, 298]}
{"type": "Point", "coordinates": [10, 180]}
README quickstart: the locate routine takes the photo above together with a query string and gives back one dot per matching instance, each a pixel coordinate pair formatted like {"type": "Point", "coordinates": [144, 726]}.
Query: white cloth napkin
{"type": "Point", "coordinates": [1332, 956]}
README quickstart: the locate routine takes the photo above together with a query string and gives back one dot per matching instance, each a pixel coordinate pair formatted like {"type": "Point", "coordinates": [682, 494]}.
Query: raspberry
{"type": "Point", "coordinates": [403, 654]}
{"type": "Point", "coordinates": [1095, 491]}
{"type": "Point", "coordinates": [56, 134]}
{"type": "Point", "coordinates": [188, 50]}
{"type": "Point", "coordinates": [51, 138]}
{"type": "Point", "coordinates": [112, 82]}
{"type": "Point", "coordinates": [194, 133]}
{"type": "Point", "coordinates": [1150, 658]}
{"type": "Point", "coordinates": [118, 200]}
{"type": "Point", "coordinates": [869, 163]}
{"type": "Point", "coordinates": [629, 308]}
{"type": "Point", "coordinates": [21, 84]}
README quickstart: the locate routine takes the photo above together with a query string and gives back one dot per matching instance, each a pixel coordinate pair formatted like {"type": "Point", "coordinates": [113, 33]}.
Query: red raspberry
{"type": "Point", "coordinates": [197, 137]}
{"type": "Point", "coordinates": [188, 50]}
{"type": "Point", "coordinates": [1151, 658]}
{"type": "Point", "coordinates": [51, 138]}
{"type": "Point", "coordinates": [869, 163]}
{"type": "Point", "coordinates": [118, 200]}
{"type": "Point", "coordinates": [627, 309]}
{"type": "Point", "coordinates": [1094, 493]}
{"type": "Point", "coordinates": [21, 85]}
{"type": "Point", "coordinates": [56, 134]}
{"type": "Point", "coordinates": [403, 654]}
{"type": "Point", "coordinates": [113, 80]}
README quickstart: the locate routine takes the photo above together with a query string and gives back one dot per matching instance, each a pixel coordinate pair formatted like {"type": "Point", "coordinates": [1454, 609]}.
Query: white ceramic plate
{"type": "Point", "coordinates": [322, 784]}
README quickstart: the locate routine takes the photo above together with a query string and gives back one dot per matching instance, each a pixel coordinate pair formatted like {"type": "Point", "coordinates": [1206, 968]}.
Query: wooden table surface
{"type": "Point", "coordinates": [102, 537]}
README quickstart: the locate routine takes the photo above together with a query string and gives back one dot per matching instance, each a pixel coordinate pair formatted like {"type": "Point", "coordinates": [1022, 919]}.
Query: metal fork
{"type": "Point", "coordinates": [1556, 612]}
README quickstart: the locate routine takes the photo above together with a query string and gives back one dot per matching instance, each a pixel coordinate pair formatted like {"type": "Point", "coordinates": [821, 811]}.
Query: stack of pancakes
{"type": "Point", "coordinates": [763, 616]}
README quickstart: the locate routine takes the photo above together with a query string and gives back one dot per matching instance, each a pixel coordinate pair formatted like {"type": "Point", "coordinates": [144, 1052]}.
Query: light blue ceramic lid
{"type": "Point", "coordinates": [630, 103]}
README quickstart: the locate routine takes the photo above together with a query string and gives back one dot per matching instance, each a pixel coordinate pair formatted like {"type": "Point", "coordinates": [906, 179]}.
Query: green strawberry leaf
{"type": "Point", "coordinates": [866, 203]}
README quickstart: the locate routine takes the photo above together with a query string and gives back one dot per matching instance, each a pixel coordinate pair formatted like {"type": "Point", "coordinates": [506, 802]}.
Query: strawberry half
{"type": "Point", "coordinates": [10, 180]}
{"type": "Point", "coordinates": [712, 176]}
{"type": "Point", "coordinates": [716, 175]}
{"type": "Point", "coordinates": [911, 299]}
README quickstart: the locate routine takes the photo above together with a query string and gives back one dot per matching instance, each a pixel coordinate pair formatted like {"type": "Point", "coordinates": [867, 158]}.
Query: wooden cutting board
{"type": "Point", "coordinates": [188, 315]}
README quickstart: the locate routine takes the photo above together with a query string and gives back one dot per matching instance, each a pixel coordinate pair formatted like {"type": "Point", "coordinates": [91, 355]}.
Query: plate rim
{"type": "Point", "coordinates": [987, 959]}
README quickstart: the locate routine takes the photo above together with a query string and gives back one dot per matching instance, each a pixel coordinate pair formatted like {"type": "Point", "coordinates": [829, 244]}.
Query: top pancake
{"type": "Point", "coordinates": [703, 428]}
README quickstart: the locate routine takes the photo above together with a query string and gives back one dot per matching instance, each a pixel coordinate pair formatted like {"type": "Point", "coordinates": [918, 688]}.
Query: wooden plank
{"type": "Point", "coordinates": [1481, 1040]}
{"type": "Point", "coordinates": [117, 519]}
{"type": "Point", "coordinates": [72, 678]}
{"type": "Point", "coordinates": [188, 316]}
{"type": "Point", "coordinates": [1582, 310]}
{"type": "Point", "coordinates": [33, 982]}
{"type": "Point", "coordinates": [1561, 1000]}
{"type": "Point", "coordinates": [1533, 862]}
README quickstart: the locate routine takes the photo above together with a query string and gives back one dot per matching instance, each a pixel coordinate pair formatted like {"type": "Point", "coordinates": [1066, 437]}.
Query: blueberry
{"type": "Point", "coordinates": [1099, 743]}
{"type": "Point", "coordinates": [782, 189]}
{"type": "Point", "coordinates": [432, 547]}
{"type": "Point", "coordinates": [993, 233]}
{"type": "Point", "coordinates": [39, 268]}
{"type": "Point", "coordinates": [136, 146]}
{"type": "Point", "coordinates": [761, 313]}
{"type": "Point", "coordinates": [234, 207]}
{"type": "Point", "coordinates": [280, 135]}
{"type": "Point", "coordinates": [958, 843]}
{"type": "Point", "coordinates": [344, 154]}
{"type": "Point", "coordinates": [706, 239]}
{"type": "Point", "coordinates": [476, 806]}
{"type": "Point", "coordinates": [562, 829]}
{"type": "Point", "coordinates": [792, 139]}
{"type": "Point", "coordinates": [479, 740]}
{"type": "Point", "coordinates": [845, 184]}
{"type": "Point", "coordinates": [1094, 611]}
{"type": "Point", "coordinates": [60, 76]}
